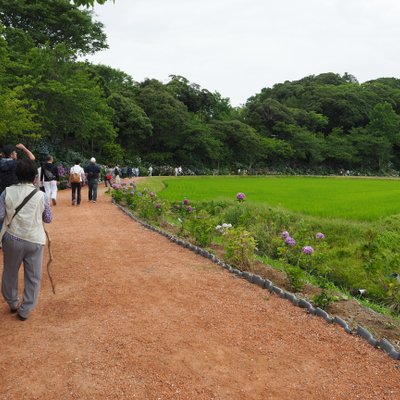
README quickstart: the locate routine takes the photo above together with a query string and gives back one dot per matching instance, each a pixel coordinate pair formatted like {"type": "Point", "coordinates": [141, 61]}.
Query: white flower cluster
{"type": "Point", "coordinates": [223, 228]}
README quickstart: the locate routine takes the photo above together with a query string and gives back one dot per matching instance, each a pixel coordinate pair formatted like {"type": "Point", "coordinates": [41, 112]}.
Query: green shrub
{"type": "Point", "coordinates": [239, 247]}
{"type": "Point", "coordinates": [201, 227]}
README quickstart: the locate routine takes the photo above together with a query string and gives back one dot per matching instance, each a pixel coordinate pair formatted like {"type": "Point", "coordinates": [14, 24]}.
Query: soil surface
{"type": "Point", "coordinates": [135, 316]}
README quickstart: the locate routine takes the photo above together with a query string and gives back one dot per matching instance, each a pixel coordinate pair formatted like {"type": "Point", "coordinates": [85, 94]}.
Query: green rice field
{"type": "Point", "coordinates": [357, 199]}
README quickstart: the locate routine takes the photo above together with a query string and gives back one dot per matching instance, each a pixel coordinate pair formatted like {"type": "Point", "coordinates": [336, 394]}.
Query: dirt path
{"type": "Point", "coordinates": [138, 317]}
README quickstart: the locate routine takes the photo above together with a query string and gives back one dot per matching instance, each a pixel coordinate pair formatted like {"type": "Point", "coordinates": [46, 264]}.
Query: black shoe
{"type": "Point", "coordinates": [54, 202]}
{"type": "Point", "coordinates": [13, 310]}
{"type": "Point", "coordinates": [21, 318]}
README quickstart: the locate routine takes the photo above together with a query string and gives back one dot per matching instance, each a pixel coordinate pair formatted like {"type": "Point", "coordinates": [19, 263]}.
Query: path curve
{"type": "Point", "coordinates": [138, 317]}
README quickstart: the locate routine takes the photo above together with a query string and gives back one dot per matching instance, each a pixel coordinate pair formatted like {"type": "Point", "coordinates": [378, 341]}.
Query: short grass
{"type": "Point", "coordinates": [357, 199]}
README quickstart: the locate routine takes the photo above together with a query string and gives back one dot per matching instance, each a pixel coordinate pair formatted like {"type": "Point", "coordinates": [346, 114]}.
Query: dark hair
{"type": "Point", "coordinates": [26, 170]}
{"type": "Point", "coordinates": [8, 149]}
{"type": "Point", "coordinates": [77, 161]}
{"type": "Point", "coordinates": [49, 158]}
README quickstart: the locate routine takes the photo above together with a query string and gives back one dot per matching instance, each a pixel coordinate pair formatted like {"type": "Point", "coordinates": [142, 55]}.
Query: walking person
{"type": "Point", "coordinates": [117, 174]}
{"type": "Point", "coordinates": [108, 176]}
{"type": "Point", "coordinates": [93, 176]}
{"type": "Point", "coordinates": [76, 179]}
{"type": "Point", "coordinates": [49, 177]}
{"type": "Point", "coordinates": [23, 209]}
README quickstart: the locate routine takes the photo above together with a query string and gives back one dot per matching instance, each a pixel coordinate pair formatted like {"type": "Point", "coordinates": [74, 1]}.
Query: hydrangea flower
{"type": "Point", "coordinates": [307, 250]}
{"type": "Point", "coordinates": [285, 234]}
{"type": "Point", "coordinates": [240, 197]}
{"type": "Point", "coordinates": [320, 235]}
{"type": "Point", "coordinates": [290, 241]}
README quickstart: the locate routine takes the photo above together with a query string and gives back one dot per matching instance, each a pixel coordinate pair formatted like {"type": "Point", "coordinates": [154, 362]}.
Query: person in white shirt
{"type": "Point", "coordinates": [23, 238]}
{"type": "Point", "coordinates": [76, 179]}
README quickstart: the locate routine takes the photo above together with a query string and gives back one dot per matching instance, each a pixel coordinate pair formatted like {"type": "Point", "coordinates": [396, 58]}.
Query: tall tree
{"type": "Point", "coordinates": [51, 23]}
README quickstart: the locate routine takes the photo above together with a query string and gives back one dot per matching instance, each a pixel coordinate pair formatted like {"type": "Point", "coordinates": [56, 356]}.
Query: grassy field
{"type": "Point", "coordinates": [357, 199]}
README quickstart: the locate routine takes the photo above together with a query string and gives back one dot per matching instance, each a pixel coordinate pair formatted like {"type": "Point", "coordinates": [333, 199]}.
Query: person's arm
{"type": "Point", "coordinates": [27, 152]}
{"type": "Point", "coordinates": [2, 206]}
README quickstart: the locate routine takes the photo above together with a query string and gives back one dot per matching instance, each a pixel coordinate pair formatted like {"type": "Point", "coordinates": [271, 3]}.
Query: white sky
{"type": "Point", "coordinates": [238, 47]}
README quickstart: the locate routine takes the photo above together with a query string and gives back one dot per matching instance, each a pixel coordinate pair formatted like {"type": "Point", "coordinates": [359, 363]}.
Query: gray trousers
{"type": "Point", "coordinates": [16, 252]}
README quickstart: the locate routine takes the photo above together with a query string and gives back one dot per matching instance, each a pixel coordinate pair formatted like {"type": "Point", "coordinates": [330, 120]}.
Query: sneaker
{"type": "Point", "coordinates": [93, 201]}
{"type": "Point", "coordinates": [73, 202]}
{"type": "Point", "coordinates": [54, 202]}
{"type": "Point", "coordinates": [21, 318]}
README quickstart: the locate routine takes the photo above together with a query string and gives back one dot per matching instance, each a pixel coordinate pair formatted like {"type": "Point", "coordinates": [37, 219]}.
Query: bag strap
{"type": "Point", "coordinates": [24, 201]}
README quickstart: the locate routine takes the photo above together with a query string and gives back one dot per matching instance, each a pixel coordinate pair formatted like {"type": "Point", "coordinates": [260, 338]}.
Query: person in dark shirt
{"type": "Point", "coordinates": [92, 176]}
{"type": "Point", "coordinates": [8, 164]}
{"type": "Point", "coordinates": [49, 177]}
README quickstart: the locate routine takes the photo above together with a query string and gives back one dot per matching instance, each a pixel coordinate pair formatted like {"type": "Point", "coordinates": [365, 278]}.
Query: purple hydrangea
{"type": "Point", "coordinates": [285, 234]}
{"type": "Point", "coordinates": [62, 171]}
{"type": "Point", "coordinates": [320, 235]}
{"type": "Point", "coordinates": [240, 196]}
{"type": "Point", "coordinates": [307, 250]}
{"type": "Point", "coordinates": [290, 241]}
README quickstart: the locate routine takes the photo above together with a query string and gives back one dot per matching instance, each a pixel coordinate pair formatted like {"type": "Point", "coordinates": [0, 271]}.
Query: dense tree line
{"type": "Point", "coordinates": [56, 103]}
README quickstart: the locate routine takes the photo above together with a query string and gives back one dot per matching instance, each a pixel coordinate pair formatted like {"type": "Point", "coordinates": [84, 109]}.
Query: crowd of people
{"type": "Point", "coordinates": [27, 195]}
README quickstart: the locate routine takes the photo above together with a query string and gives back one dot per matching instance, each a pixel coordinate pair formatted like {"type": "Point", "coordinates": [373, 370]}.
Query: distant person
{"type": "Point", "coordinates": [76, 179]}
{"type": "Point", "coordinates": [180, 171]}
{"type": "Point", "coordinates": [117, 174]}
{"type": "Point", "coordinates": [150, 171]}
{"type": "Point", "coordinates": [8, 164]}
{"type": "Point", "coordinates": [176, 171]}
{"type": "Point", "coordinates": [108, 176]}
{"type": "Point", "coordinates": [49, 177]}
{"type": "Point", "coordinates": [23, 238]}
{"type": "Point", "coordinates": [93, 176]}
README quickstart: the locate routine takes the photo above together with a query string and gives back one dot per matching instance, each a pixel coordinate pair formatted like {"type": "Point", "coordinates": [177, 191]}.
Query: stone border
{"type": "Point", "coordinates": [382, 344]}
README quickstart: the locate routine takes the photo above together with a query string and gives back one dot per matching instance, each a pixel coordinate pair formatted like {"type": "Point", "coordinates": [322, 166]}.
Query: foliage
{"type": "Point", "coordinates": [201, 228]}
{"type": "Point", "coordinates": [239, 248]}
{"type": "Point", "coordinates": [324, 299]}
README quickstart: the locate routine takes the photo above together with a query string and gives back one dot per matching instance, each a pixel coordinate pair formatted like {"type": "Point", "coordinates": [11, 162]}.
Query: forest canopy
{"type": "Point", "coordinates": [57, 104]}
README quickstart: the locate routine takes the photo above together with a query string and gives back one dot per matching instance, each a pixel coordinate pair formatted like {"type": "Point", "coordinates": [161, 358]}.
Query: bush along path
{"type": "Point", "coordinates": [136, 316]}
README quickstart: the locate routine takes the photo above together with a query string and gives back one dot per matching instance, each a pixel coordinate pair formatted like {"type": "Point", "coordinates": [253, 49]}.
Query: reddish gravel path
{"type": "Point", "coordinates": [138, 317]}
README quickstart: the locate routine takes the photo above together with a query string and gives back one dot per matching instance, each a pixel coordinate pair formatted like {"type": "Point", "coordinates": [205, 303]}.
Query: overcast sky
{"type": "Point", "coordinates": [238, 47]}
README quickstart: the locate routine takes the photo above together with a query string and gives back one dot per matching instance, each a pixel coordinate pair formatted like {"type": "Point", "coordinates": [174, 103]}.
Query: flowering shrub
{"type": "Point", "coordinates": [240, 197]}
{"type": "Point", "coordinates": [183, 210]}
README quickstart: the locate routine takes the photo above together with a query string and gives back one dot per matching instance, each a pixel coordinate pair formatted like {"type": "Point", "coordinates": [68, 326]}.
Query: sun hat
{"type": "Point", "coordinates": [93, 160]}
